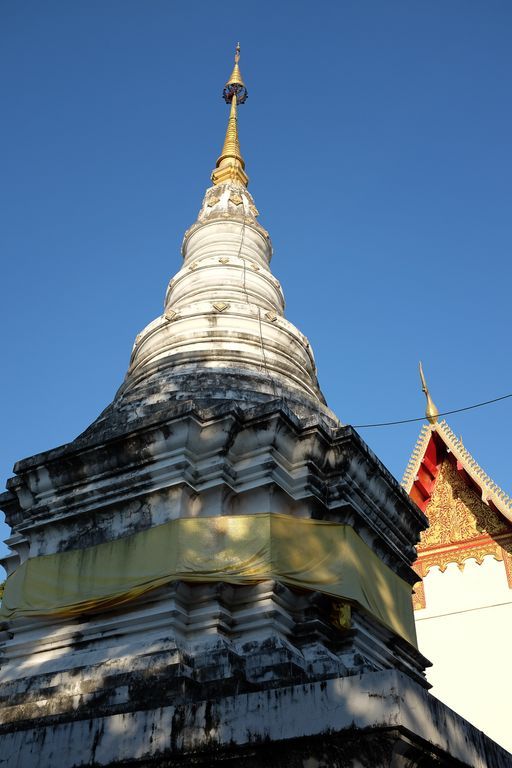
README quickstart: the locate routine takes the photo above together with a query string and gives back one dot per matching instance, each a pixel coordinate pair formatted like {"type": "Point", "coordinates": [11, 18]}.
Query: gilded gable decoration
{"type": "Point", "coordinates": [469, 515]}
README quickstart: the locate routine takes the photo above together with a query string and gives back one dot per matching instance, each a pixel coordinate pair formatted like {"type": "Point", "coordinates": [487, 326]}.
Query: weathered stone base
{"type": "Point", "coordinates": [199, 674]}
{"type": "Point", "coordinates": [187, 642]}
{"type": "Point", "coordinates": [378, 719]}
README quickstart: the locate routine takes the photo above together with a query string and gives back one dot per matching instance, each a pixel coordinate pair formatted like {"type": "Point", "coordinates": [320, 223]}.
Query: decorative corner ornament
{"type": "Point", "coordinates": [220, 306]}
{"type": "Point", "coordinates": [271, 316]}
{"type": "Point", "coordinates": [236, 198]}
{"type": "Point", "coordinates": [193, 266]}
{"type": "Point", "coordinates": [255, 267]}
{"type": "Point", "coordinates": [170, 315]}
{"type": "Point", "coordinates": [223, 260]}
{"type": "Point", "coordinates": [213, 199]}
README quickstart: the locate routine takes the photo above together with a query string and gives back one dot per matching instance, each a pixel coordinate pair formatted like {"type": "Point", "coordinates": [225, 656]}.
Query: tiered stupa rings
{"type": "Point", "coordinates": [224, 308]}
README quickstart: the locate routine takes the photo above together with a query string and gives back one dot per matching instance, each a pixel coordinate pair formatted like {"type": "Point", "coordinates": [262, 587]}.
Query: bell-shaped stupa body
{"type": "Point", "coordinates": [223, 334]}
{"type": "Point", "coordinates": [217, 571]}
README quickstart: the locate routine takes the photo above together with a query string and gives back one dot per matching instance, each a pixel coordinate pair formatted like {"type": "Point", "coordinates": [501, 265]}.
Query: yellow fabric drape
{"type": "Point", "coordinates": [310, 554]}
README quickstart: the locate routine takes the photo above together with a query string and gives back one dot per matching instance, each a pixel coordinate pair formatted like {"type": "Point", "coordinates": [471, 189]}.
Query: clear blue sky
{"type": "Point", "coordinates": [377, 136]}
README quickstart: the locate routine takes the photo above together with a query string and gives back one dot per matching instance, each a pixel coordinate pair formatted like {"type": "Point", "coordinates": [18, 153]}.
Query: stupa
{"type": "Point", "coordinates": [217, 570]}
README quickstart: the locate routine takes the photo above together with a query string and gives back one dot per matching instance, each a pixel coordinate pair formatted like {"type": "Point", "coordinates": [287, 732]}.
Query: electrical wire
{"type": "Point", "coordinates": [423, 418]}
{"type": "Point", "coordinates": [355, 426]}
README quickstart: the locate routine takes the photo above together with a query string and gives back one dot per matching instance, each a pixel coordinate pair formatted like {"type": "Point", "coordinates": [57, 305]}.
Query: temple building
{"type": "Point", "coordinates": [463, 605]}
{"type": "Point", "coordinates": [217, 571]}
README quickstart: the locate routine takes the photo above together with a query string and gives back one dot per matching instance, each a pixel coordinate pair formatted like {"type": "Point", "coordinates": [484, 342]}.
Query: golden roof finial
{"type": "Point", "coordinates": [236, 75]}
{"type": "Point", "coordinates": [431, 411]}
{"type": "Point", "coordinates": [230, 165]}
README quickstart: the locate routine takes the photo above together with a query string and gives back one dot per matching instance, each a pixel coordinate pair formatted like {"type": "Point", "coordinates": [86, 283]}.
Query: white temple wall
{"type": "Point", "coordinates": [465, 632]}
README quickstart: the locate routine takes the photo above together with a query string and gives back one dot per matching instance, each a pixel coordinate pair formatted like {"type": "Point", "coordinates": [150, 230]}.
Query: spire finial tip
{"type": "Point", "coordinates": [431, 411]}
{"type": "Point", "coordinates": [230, 165]}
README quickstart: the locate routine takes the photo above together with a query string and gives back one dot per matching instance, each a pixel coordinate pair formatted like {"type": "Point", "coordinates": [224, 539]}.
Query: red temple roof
{"type": "Point", "coordinates": [437, 443]}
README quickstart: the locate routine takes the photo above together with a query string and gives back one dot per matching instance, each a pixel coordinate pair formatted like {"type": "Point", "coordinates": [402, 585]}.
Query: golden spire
{"type": "Point", "coordinates": [431, 411]}
{"type": "Point", "coordinates": [236, 75]}
{"type": "Point", "coordinates": [230, 165]}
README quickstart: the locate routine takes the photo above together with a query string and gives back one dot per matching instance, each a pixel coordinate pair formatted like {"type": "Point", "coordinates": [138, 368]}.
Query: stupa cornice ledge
{"type": "Point", "coordinates": [256, 287]}
{"type": "Point", "coordinates": [196, 451]}
{"type": "Point", "coordinates": [223, 218]}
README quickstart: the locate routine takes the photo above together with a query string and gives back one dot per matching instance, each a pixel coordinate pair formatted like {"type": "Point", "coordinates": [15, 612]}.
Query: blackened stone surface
{"type": "Point", "coordinates": [377, 720]}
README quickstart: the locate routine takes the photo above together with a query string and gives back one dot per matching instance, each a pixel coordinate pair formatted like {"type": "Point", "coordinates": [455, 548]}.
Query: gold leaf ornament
{"type": "Point", "coordinates": [220, 306]}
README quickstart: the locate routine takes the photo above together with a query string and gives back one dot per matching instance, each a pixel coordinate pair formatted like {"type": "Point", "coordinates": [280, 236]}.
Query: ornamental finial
{"type": "Point", "coordinates": [230, 165]}
{"type": "Point", "coordinates": [431, 411]}
{"type": "Point", "coordinates": [235, 86]}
